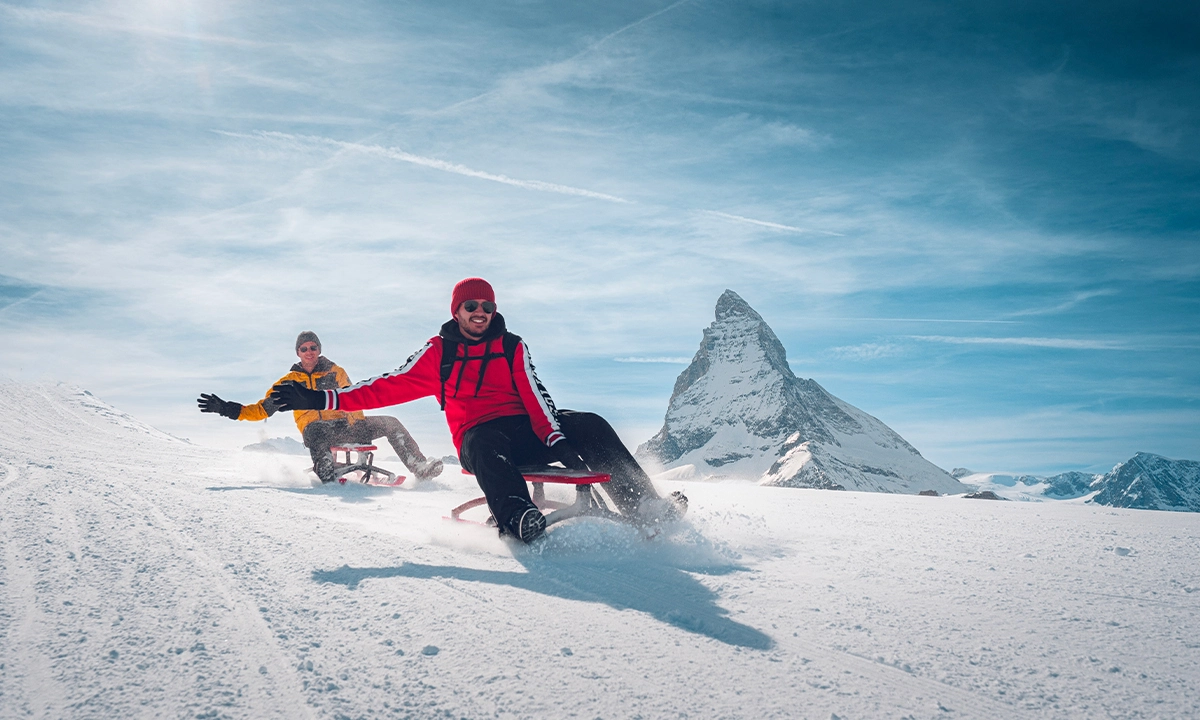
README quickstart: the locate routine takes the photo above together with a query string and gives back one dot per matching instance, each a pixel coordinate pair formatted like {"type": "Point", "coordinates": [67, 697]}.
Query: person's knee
{"type": "Point", "coordinates": [474, 443]}
{"type": "Point", "coordinates": [577, 418]}
{"type": "Point", "coordinates": [388, 425]}
{"type": "Point", "coordinates": [313, 435]}
{"type": "Point", "coordinates": [470, 443]}
{"type": "Point", "coordinates": [587, 424]}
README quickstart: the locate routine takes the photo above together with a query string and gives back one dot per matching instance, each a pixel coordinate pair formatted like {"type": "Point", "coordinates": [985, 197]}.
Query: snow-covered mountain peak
{"type": "Point", "coordinates": [731, 304]}
{"type": "Point", "coordinates": [1151, 482]}
{"type": "Point", "coordinates": [738, 410]}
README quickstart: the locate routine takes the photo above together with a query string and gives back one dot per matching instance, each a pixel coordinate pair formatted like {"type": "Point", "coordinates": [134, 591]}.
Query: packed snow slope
{"type": "Point", "coordinates": [144, 577]}
{"type": "Point", "coordinates": [739, 411]}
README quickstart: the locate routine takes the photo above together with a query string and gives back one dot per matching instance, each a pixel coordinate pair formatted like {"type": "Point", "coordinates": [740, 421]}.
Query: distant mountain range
{"type": "Point", "coordinates": [1064, 486]}
{"type": "Point", "coordinates": [1144, 482]}
{"type": "Point", "coordinates": [738, 410]}
{"type": "Point", "coordinates": [284, 445]}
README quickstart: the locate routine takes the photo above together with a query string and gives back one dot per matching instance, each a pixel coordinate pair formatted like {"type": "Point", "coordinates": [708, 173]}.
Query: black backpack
{"type": "Point", "coordinates": [450, 356]}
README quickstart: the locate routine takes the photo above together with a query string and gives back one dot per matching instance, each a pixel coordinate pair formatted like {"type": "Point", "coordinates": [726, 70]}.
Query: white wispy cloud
{"type": "Point", "coordinates": [670, 360]}
{"type": "Point", "coordinates": [866, 351]}
{"type": "Point", "coordinates": [1044, 342]}
{"type": "Point", "coordinates": [120, 25]}
{"type": "Point", "coordinates": [925, 320]}
{"type": "Point", "coordinates": [744, 130]}
{"type": "Point", "coordinates": [397, 154]}
{"type": "Point", "coordinates": [1076, 299]}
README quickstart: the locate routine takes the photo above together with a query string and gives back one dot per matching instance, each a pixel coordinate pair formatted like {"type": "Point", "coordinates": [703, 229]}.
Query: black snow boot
{"type": "Point", "coordinates": [425, 469]}
{"type": "Point", "coordinates": [656, 510]}
{"type": "Point", "coordinates": [528, 525]}
{"type": "Point", "coordinates": [323, 467]}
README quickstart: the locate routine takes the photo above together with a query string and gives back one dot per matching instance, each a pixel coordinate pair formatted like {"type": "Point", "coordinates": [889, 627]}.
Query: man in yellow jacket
{"type": "Point", "coordinates": [322, 429]}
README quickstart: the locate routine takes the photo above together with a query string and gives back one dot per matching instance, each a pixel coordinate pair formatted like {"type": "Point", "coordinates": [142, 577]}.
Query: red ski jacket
{"type": "Point", "coordinates": [481, 386]}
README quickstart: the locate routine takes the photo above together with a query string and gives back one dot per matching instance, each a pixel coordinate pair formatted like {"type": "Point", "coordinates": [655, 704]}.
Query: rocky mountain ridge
{"type": "Point", "coordinates": [1150, 482]}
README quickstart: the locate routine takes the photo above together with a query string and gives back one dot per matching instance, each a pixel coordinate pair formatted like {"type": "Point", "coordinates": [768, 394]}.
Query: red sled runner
{"type": "Point", "coordinates": [587, 498]}
{"type": "Point", "coordinates": [362, 467]}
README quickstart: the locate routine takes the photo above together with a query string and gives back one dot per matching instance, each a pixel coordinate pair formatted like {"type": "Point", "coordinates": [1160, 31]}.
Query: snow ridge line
{"type": "Point", "coordinates": [984, 708]}
{"type": "Point", "coordinates": [242, 610]}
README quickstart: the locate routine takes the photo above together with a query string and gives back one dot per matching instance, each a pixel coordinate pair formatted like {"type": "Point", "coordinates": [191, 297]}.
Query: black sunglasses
{"type": "Point", "coordinates": [489, 307]}
{"type": "Point", "coordinates": [310, 348]}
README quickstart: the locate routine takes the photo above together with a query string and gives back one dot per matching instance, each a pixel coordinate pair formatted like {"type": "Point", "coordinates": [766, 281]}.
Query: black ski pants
{"type": "Point", "coordinates": [495, 449]}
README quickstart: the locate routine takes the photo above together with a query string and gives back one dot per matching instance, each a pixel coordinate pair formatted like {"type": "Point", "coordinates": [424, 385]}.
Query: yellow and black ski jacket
{"type": "Point", "coordinates": [325, 376]}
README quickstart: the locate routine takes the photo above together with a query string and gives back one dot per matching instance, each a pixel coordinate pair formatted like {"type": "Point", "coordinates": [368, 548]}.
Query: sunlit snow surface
{"type": "Point", "coordinates": [145, 577]}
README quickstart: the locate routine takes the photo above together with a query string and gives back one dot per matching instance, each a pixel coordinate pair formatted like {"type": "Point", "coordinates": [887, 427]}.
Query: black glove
{"type": "Point", "coordinates": [565, 454]}
{"type": "Point", "coordinates": [214, 404]}
{"type": "Point", "coordinates": [291, 395]}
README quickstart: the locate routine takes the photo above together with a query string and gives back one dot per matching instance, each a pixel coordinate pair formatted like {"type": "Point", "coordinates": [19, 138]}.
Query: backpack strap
{"type": "Point", "coordinates": [511, 340]}
{"type": "Point", "coordinates": [450, 356]}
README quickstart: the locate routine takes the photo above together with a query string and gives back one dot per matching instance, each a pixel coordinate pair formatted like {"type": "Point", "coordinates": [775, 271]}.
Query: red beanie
{"type": "Point", "coordinates": [471, 289]}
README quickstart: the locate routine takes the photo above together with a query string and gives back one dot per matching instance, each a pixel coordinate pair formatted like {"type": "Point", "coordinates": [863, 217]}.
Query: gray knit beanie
{"type": "Point", "coordinates": [308, 336]}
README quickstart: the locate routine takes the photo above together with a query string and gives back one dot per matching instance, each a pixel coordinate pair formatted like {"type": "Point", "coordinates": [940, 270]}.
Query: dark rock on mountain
{"type": "Point", "coordinates": [983, 495]}
{"type": "Point", "coordinates": [1069, 485]}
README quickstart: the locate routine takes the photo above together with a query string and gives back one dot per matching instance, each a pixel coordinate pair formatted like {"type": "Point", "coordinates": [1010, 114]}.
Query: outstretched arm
{"type": "Point", "coordinates": [214, 404]}
{"type": "Point", "coordinates": [254, 412]}
{"type": "Point", "coordinates": [418, 377]}
{"type": "Point", "coordinates": [291, 395]}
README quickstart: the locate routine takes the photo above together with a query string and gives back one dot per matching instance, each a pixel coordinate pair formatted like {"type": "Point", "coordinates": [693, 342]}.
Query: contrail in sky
{"type": "Point", "coordinates": [546, 69]}
{"type": "Point", "coordinates": [773, 226]}
{"type": "Point", "coordinates": [397, 154]}
{"type": "Point", "coordinates": [630, 26]}
{"type": "Point", "coordinates": [1059, 343]}
{"type": "Point", "coordinates": [1078, 298]}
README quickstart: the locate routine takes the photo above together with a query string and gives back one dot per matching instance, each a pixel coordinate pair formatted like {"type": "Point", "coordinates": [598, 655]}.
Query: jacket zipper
{"type": "Point", "coordinates": [312, 385]}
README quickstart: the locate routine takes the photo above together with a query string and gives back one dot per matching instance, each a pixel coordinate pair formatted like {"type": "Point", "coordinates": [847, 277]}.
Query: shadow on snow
{"type": "Point", "coordinates": [350, 492]}
{"type": "Point", "coordinates": [666, 593]}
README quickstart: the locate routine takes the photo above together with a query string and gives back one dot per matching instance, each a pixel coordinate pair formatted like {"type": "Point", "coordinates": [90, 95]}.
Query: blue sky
{"type": "Point", "coordinates": [978, 222]}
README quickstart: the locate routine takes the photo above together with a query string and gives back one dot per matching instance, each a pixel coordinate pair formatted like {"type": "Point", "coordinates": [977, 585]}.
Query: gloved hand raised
{"type": "Point", "coordinates": [291, 395]}
{"type": "Point", "coordinates": [214, 404]}
{"type": "Point", "coordinates": [565, 453]}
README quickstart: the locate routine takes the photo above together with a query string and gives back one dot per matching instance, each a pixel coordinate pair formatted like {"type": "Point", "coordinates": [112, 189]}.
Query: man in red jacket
{"type": "Point", "coordinates": [500, 416]}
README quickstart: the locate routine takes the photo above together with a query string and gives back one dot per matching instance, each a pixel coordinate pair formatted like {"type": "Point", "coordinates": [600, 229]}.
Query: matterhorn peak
{"type": "Point", "coordinates": [738, 410]}
{"type": "Point", "coordinates": [731, 304]}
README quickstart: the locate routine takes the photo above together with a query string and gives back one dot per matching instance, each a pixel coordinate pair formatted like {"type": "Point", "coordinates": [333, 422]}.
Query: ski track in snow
{"type": "Point", "coordinates": [141, 576]}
